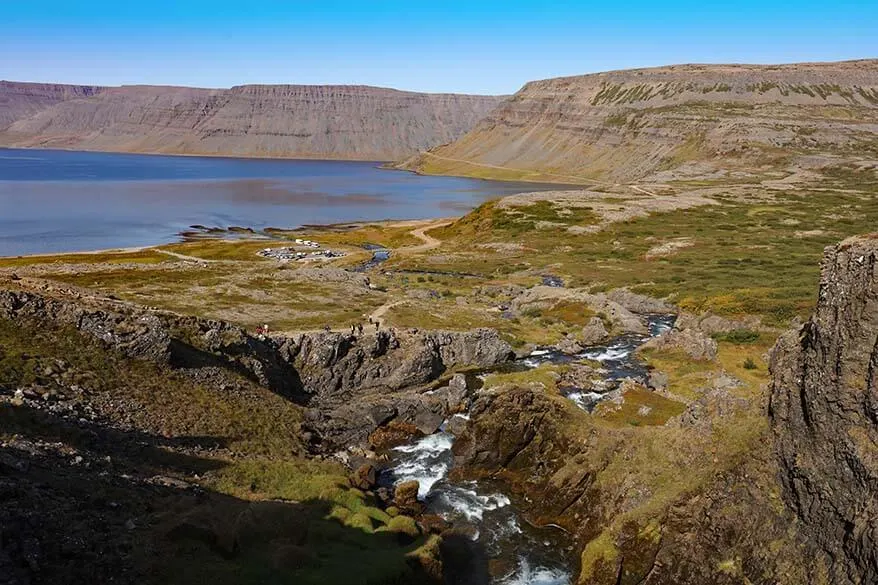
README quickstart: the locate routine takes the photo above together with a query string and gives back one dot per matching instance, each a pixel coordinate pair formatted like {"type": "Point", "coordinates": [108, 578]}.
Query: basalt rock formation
{"type": "Point", "coordinates": [687, 119]}
{"type": "Point", "coordinates": [583, 477]}
{"type": "Point", "coordinates": [293, 121]}
{"type": "Point", "coordinates": [799, 509]}
{"type": "Point", "coordinates": [824, 413]}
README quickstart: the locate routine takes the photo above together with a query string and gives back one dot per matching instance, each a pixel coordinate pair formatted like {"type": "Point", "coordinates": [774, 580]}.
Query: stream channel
{"type": "Point", "coordinates": [520, 554]}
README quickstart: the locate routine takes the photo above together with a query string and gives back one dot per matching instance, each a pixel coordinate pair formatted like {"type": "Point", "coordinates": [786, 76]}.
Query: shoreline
{"type": "Point", "coordinates": [384, 165]}
{"type": "Point", "coordinates": [218, 237]}
{"type": "Point", "coordinates": [315, 158]}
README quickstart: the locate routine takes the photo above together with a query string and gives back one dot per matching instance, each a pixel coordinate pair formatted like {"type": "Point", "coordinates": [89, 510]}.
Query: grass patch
{"type": "Point", "coordinates": [139, 257]}
{"type": "Point", "coordinates": [640, 407]}
{"type": "Point", "coordinates": [545, 376]}
{"type": "Point", "coordinates": [738, 336]}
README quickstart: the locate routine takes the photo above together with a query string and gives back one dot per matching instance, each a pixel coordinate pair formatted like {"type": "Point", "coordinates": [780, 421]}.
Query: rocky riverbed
{"type": "Point", "coordinates": [518, 552]}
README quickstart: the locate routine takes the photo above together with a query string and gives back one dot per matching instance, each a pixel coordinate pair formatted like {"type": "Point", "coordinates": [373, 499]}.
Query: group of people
{"type": "Point", "coordinates": [357, 329]}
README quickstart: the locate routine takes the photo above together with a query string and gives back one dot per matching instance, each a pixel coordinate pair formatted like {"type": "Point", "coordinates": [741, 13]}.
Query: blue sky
{"type": "Point", "coordinates": [438, 45]}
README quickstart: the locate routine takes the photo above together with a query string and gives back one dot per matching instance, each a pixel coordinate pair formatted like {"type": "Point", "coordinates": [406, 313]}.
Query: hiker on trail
{"type": "Point", "coordinates": [376, 325]}
{"type": "Point", "coordinates": [327, 328]}
{"type": "Point", "coordinates": [360, 328]}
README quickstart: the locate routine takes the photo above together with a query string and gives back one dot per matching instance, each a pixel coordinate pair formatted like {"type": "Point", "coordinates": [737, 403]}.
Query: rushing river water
{"type": "Point", "coordinates": [526, 555]}
{"type": "Point", "coordinates": [62, 201]}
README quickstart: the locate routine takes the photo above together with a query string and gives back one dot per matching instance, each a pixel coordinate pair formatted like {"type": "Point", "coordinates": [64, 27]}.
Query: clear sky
{"type": "Point", "coordinates": [434, 45]}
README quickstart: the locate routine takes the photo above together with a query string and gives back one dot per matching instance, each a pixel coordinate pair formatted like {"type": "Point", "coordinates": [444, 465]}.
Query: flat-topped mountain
{"type": "Point", "coordinates": [689, 119]}
{"type": "Point", "coordinates": [20, 100]}
{"type": "Point", "coordinates": [307, 121]}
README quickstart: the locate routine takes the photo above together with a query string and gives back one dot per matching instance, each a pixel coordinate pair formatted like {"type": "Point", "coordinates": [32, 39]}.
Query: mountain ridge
{"type": "Point", "coordinates": [671, 122]}
{"type": "Point", "coordinates": [278, 121]}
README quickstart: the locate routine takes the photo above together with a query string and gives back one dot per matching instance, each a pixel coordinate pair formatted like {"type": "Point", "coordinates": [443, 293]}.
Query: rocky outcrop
{"type": "Point", "coordinates": [613, 307]}
{"type": "Point", "coordinates": [293, 121]}
{"type": "Point", "coordinates": [692, 342]}
{"type": "Point", "coordinates": [594, 332]}
{"type": "Point", "coordinates": [333, 365]}
{"type": "Point", "coordinates": [824, 412]}
{"type": "Point", "coordinates": [588, 479]}
{"type": "Point", "coordinates": [716, 325]}
{"type": "Point", "coordinates": [352, 384]}
{"type": "Point", "coordinates": [684, 119]}
{"type": "Point", "coordinates": [137, 336]}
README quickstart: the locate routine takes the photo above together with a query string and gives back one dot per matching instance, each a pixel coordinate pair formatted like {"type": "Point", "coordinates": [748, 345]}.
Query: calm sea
{"type": "Point", "coordinates": [62, 201]}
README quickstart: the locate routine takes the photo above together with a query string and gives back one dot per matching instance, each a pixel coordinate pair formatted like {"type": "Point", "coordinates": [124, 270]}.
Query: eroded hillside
{"type": "Point", "coordinates": [683, 121]}
{"type": "Point", "coordinates": [345, 122]}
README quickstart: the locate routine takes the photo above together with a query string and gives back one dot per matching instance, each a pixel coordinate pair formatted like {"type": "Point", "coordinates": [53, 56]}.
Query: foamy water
{"type": "Point", "coordinates": [528, 575]}
{"type": "Point", "coordinates": [427, 461]}
{"type": "Point", "coordinates": [539, 557]}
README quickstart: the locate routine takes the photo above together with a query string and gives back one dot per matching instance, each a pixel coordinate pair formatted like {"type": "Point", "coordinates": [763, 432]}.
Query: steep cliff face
{"type": "Point", "coordinates": [348, 122]}
{"type": "Point", "coordinates": [635, 519]}
{"type": "Point", "coordinates": [625, 125]}
{"type": "Point", "coordinates": [20, 100]}
{"type": "Point", "coordinates": [824, 412]}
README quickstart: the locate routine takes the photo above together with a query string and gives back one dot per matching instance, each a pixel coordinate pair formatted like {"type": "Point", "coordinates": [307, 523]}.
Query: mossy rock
{"type": "Point", "coordinates": [403, 525]}
{"type": "Point", "coordinates": [376, 514]}
{"type": "Point", "coordinates": [361, 521]}
{"type": "Point", "coordinates": [392, 511]}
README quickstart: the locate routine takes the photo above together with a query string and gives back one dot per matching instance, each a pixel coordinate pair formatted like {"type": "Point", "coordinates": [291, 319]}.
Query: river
{"type": "Point", "coordinates": [521, 554]}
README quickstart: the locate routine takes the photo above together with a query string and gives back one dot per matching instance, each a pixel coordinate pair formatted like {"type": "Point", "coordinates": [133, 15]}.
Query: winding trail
{"type": "Point", "coordinates": [185, 257]}
{"type": "Point", "coordinates": [378, 314]}
{"type": "Point", "coordinates": [429, 242]}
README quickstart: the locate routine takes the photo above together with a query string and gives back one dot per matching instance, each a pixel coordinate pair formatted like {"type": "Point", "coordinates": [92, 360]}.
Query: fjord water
{"type": "Point", "coordinates": [64, 201]}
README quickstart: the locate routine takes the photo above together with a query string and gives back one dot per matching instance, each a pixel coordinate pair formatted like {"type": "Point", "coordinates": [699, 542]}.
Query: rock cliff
{"type": "Point", "coordinates": [304, 121]}
{"type": "Point", "coordinates": [824, 412]}
{"type": "Point", "coordinates": [686, 119]}
{"type": "Point", "coordinates": [21, 100]}
{"type": "Point", "coordinates": [351, 384]}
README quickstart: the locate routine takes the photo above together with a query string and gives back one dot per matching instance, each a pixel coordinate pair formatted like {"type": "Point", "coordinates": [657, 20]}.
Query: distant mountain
{"type": "Point", "coordinates": [20, 100]}
{"type": "Point", "coordinates": [308, 121]}
{"type": "Point", "coordinates": [671, 122]}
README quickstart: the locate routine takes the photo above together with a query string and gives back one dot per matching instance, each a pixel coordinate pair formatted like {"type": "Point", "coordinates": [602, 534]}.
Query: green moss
{"type": "Point", "coordinates": [360, 521]}
{"type": "Point", "coordinates": [640, 407]}
{"type": "Point", "coordinates": [598, 555]}
{"type": "Point", "coordinates": [545, 376]}
{"type": "Point", "coordinates": [121, 257]}
{"type": "Point", "coordinates": [403, 525]}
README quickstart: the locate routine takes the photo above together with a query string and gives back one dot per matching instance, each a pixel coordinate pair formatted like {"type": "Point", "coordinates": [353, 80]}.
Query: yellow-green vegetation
{"type": "Point", "coordinates": [688, 378]}
{"type": "Point", "coordinates": [667, 464]}
{"type": "Point", "coordinates": [744, 258]}
{"type": "Point", "coordinates": [529, 224]}
{"type": "Point", "coordinates": [639, 407]}
{"type": "Point", "coordinates": [545, 376]}
{"type": "Point", "coordinates": [352, 541]}
{"type": "Point", "coordinates": [147, 256]}
{"type": "Point", "coordinates": [433, 165]}
{"type": "Point", "coordinates": [223, 249]}
{"type": "Point", "coordinates": [568, 313]}
{"type": "Point", "coordinates": [244, 295]}
{"type": "Point", "coordinates": [387, 235]}
{"type": "Point", "coordinates": [265, 515]}
{"type": "Point", "coordinates": [251, 419]}
{"type": "Point", "coordinates": [601, 550]}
